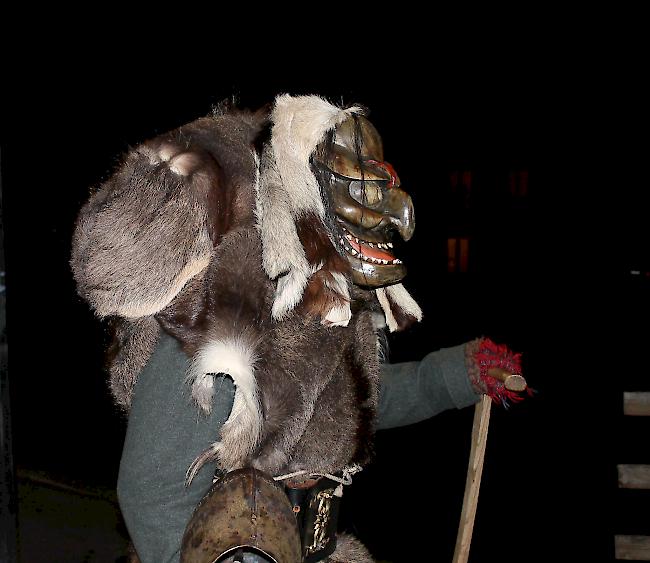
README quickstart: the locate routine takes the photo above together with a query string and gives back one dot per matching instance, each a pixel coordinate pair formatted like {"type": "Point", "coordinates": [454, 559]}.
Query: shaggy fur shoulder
{"type": "Point", "coordinates": [150, 231]}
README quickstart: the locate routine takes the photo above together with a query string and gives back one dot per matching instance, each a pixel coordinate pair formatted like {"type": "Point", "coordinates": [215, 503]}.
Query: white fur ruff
{"type": "Point", "coordinates": [288, 188]}
{"type": "Point", "coordinates": [299, 125]}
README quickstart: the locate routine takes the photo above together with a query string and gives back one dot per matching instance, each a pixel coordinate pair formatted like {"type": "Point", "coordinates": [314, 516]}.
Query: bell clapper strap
{"type": "Point", "coordinates": [345, 479]}
{"type": "Point", "coordinates": [315, 503]}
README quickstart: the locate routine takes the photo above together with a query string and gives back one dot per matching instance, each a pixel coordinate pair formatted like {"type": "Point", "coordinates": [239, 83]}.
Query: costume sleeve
{"type": "Point", "coordinates": [414, 391]}
{"type": "Point", "coordinates": [164, 434]}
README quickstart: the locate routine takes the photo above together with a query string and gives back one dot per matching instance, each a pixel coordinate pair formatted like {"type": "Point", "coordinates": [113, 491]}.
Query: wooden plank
{"type": "Point", "coordinates": [473, 482]}
{"type": "Point", "coordinates": [633, 476]}
{"type": "Point", "coordinates": [634, 548]}
{"type": "Point", "coordinates": [636, 404]}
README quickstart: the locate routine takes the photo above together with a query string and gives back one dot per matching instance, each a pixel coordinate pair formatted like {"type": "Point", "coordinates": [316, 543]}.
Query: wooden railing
{"type": "Point", "coordinates": [635, 548]}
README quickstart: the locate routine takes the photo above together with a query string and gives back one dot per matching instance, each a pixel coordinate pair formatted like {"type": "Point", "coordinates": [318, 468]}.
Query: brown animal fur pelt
{"type": "Point", "coordinates": [201, 234]}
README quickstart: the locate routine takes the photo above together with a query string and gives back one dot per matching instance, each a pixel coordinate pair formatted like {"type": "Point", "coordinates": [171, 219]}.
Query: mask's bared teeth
{"type": "Point", "coordinates": [373, 252]}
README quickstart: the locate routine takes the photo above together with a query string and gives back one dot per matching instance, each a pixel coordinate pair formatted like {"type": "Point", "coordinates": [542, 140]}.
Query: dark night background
{"type": "Point", "coordinates": [538, 280]}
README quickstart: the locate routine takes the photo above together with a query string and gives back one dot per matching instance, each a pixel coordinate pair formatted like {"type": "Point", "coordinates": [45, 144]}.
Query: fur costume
{"type": "Point", "coordinates": [221, 234]}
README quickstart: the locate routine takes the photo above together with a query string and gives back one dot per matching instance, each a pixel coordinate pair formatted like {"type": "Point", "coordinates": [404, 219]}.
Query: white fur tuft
{"type": "Point", "coordinates": [385, 305]}
{"type": "Point", "coordinates": [401, 298]}
{"type": "Point", "coordinates": [289, 292]}
{"type": "Point", "coordinates": [235, 357]}
{"type": "Point", "coordinates": [340, 315]}
{"type": "Point", "coordinates": [283, 256]}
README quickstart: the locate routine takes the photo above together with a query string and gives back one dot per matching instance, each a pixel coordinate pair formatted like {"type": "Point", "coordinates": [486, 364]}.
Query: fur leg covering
{"type": "Point", "coordinates": [132, 346]}
{"type": "Point", "coordinates": [349, 550]}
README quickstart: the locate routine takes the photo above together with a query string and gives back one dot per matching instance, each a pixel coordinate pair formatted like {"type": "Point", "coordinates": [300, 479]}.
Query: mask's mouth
{"type": "Point", "coordinates": [372, 262]}
{"type": "Point", "coordinates": [378, 253]}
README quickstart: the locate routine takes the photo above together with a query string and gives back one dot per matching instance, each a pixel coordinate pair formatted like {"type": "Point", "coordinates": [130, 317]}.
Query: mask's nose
{"type": "Point", "coordinates": [400, 213]}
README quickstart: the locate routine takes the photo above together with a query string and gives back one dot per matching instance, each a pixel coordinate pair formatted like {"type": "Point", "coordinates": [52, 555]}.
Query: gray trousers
{"type": "Point", "coordinates": [166, 432]}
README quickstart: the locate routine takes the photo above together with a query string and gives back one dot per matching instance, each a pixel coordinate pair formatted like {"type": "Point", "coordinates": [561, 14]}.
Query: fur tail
{"type": "Point", "coordinates": [236, 357]}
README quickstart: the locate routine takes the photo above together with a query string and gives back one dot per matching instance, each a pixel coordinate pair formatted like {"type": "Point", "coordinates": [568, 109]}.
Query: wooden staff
{"type": "Point", "coordinates": [513, 382]}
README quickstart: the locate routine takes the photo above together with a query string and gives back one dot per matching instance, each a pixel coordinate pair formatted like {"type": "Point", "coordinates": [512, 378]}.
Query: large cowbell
{"type": "Point", "coordinates": [367, 200]}
{"type": "Point", "coordinates": [245, 516]}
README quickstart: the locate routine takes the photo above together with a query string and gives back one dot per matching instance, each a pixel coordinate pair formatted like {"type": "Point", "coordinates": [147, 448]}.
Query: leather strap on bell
{"type": "Point", "coordinates": [316, 508]}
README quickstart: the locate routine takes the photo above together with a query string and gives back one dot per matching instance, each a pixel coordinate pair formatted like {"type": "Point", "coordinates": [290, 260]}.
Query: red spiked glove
{"type": "Point", "coordinates": [481, 356]}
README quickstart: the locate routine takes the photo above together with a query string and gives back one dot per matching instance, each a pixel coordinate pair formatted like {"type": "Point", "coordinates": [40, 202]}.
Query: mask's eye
{"type": "Point", "coordinates": [366, 193]}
